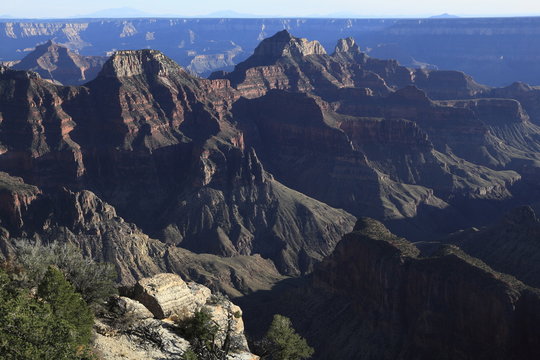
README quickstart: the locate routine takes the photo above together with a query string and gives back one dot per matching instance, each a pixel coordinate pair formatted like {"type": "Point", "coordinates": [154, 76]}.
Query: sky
{"type": "Point", "coordinates": [289, 8]}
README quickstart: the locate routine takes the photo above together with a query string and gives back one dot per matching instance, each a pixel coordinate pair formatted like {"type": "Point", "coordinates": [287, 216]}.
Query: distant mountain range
{"type": "Point", "coordinates": [123, 12]}
{"type": "Point", "coordinates": [128, 12]}
{"type": "Point", "coordinates": [445, 16]}
{"type": "Point", "coordinates": [235, 14]}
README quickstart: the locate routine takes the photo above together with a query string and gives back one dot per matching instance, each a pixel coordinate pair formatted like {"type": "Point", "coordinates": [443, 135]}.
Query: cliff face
{"type": "Point", "coordinates": [528, 96]}
{"type": "Point", "coordinates": [15, 198]}
{"type": "Point", "coordinates": [387, 157]}
{"type": "Point", "coordinates": [155, 102]}
{"type": "Point", "coordinates": [59, 64]}
{"type": "Point", "coordinates": [144, 125]}
{"type": "Point", "coordinates": [379, 299]}
{"type": "Point", "coordinates": [289, 63]}
{"type": "Point", "coordinates": [447, 84]}
{"type": "Point", "coordinates": [83, 219]}
{"type": "Point", "coordinates": [37, 134]}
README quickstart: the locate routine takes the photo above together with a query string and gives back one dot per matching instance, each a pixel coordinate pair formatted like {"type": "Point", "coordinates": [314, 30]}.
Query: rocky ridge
{"type": "Point", "coordinates": [286, 62]}
{"type": "Point", "coordinates": [511, 245]}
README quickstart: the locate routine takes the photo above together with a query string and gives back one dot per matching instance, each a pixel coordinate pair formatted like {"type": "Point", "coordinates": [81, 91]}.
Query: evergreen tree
{"type": "Point", "coordinates": [29, 329]}
{"type": "Point", "coordinates": [67, 304]}
{"type": "Point", "coordinates": [283, 343]}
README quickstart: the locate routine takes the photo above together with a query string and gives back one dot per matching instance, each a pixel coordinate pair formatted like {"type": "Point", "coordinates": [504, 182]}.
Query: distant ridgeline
{"type": "Point", "coordinates": [495, 51]}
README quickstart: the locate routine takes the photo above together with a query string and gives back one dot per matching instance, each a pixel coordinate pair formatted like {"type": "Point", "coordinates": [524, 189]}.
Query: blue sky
{"type": "Point", "coordinates": [382, 8]}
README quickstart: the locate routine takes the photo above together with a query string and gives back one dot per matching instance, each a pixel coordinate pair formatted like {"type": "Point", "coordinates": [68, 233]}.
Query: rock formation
{"type": "Point", "coordinates": [85, 220]}
{"type": "Point", "coordinates": [207, 146]}
{"type": "Point", "coordinates": [167, 294]}
{"type": "Point", "coordinates": [289, 63]}
{"type": "Point", "coordinates": [57, 63]}
{"type": "Point", "coordinates": [133, 330]}
{"type": "Point", "coordinates": [177, 127]}
{"type": "Point", "coordinates": [528, 96]}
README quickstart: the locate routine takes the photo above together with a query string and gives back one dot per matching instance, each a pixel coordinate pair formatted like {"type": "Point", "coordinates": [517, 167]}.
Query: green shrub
{"type": "Point", "coordinates": [207, 340]}
{"type": "Point", "coordinates": [189, 354]}
{"type": "Point", "coordinates": [94, 281]}
{"type": "Point", "coordinates": [199, 328]}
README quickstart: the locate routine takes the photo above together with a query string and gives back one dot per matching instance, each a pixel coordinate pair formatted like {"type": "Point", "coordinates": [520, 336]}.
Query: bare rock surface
{"type": "Point", "coordinates": [145, 326]}
{"type": "Point", "coordinates": [168, 294]}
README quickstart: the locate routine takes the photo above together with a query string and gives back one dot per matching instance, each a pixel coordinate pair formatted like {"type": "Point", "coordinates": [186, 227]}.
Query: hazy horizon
{"type": "Point", "coordinates": [278, 8]}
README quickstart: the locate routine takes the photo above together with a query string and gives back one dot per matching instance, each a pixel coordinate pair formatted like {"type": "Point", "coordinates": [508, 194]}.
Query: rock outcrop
{"type": "Point", "coordinates": [15, 198]}
{"type": "Point", "coordinates": [167, 294]}
{"type": "Point", "coordinates": [57, 63]}
{"type": "Point", "coordinates": [149, 326]}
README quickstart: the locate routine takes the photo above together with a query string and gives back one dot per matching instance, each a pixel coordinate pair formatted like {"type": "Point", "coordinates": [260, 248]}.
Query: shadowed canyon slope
{"type": "Point", "coordinates": [83, 219]}
{"type": "Point", "coordinates": [412, 153]}
{"type": "Point", "coordinates": [379, 299]}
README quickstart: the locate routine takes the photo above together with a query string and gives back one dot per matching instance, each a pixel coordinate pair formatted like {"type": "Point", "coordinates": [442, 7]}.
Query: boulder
{"type": "Point", "coordinates": [167, 294]}
{"type": "Point", "coordinates": [134, 308]}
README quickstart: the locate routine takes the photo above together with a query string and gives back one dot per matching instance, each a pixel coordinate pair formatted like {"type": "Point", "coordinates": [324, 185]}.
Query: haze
{"type": "Point", "coordinates": [297, 8]}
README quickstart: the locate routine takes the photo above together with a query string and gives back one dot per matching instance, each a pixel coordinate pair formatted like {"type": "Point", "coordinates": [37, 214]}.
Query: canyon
{"type": "Point", "coordinates": [495, 51]}
{"type": "Point", "coordinates": [388, 210]}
